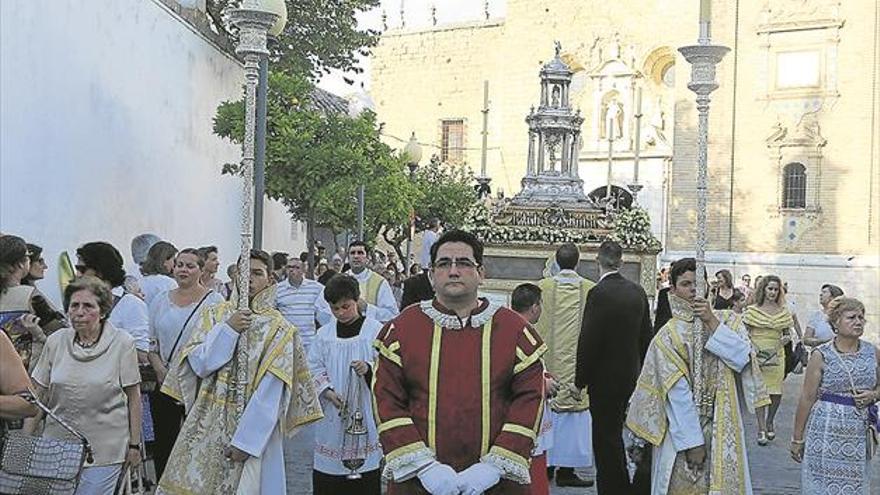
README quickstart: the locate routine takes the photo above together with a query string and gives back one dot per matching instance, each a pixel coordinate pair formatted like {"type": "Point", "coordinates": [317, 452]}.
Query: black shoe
{"type": "Point", "coordinates": [567, 477]}
{"type": "Point", "coordinates": [550, 472]}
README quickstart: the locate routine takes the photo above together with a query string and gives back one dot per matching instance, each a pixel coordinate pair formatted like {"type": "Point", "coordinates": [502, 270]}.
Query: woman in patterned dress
{"type": "Point", "coordinates": [841, 386]}
{"type": "Point", "coordinates": [768, 320]}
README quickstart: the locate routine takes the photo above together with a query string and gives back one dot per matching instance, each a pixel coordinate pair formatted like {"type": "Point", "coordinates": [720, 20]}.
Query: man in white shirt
{"type": "Point", "coordinates": [429, 237]}
{"type": "Point", "coordinates": [301, 301]}
{"type": "Point", "coordinates": [377, 300]}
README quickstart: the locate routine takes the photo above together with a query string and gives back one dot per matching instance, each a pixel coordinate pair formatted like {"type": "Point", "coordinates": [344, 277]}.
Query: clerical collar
{"type": "Point", "coordinates": [447, 318]}
{"type": "Point", "coordinates": [681, 308]}
{"type": "Point", "coordinates": [350, 329]}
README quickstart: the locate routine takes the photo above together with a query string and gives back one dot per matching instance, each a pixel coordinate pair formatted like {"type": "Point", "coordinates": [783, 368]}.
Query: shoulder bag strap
{"type": "Point", "coordinates": [188, 318]}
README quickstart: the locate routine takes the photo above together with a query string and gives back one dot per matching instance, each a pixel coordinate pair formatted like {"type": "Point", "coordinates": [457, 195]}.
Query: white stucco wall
{"type": "Point", "coordinates": [106, 110]}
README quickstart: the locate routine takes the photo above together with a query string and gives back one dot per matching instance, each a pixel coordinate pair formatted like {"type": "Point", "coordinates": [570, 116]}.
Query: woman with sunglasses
{"type": "Point", "coordinates": [22, 309]}
{"type": "Point", "coordinates": [51, 318]}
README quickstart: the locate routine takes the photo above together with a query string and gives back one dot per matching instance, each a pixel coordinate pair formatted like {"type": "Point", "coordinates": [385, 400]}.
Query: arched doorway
{"type": "Point", "coordinates": [621, 199]}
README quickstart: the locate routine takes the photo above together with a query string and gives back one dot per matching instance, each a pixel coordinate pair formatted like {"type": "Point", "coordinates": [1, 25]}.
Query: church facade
{"type": "Point", "coordinates": [794, 146]}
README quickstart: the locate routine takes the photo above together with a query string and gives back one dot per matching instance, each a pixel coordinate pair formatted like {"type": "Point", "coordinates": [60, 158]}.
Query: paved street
{"type": "Point", "coordinates": [773, 471]}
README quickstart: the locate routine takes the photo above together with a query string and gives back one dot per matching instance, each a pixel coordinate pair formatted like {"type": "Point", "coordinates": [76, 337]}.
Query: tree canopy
{"type": "Point", "coordinates": [315, 161]}
{"type": "Point", "coordinates": [320, 35]}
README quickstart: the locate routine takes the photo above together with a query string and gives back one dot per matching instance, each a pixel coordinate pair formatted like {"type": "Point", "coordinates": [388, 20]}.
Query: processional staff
{"type": "Point", "coordinates": [703, 58]}
{"type": "Point", "coordinates": [253, 23]}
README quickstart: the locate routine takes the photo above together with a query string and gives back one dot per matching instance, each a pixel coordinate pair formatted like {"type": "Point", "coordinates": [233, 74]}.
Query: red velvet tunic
{"type": "Point", "coordinates": [459, 394]}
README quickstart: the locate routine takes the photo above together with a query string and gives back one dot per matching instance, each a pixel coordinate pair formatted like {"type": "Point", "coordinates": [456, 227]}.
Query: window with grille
{"type": "Point", "coordinates": [452, 141]}
{"type": "Point", "coordinates": [794, 186]}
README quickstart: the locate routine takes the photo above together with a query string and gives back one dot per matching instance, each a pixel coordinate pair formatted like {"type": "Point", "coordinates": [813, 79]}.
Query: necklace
{"type": "Point", "coordinates": [839, 350]}
{"type": "Point", "coordinates": [84, 345]}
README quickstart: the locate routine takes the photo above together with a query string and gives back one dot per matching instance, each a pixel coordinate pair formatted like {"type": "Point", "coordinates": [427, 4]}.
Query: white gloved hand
{"type": "Point", "coordinates": [478, 478]}
{"type": "Point", "coordinates": [439, 479]}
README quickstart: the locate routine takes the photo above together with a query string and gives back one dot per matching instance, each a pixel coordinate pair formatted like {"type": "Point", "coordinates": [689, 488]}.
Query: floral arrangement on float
{"type": "Point", "coordinates": [490, 220]}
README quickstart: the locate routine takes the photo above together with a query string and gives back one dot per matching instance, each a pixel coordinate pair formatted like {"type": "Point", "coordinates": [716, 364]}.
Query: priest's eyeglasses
{"type": "Point", "coordinates": [461, 263]}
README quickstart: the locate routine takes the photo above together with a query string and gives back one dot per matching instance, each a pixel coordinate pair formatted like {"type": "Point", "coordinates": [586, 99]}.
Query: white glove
{"type": "Point", "coordinates": [439, 479]}
{"type": "Point", "coordinates": [478, 478]}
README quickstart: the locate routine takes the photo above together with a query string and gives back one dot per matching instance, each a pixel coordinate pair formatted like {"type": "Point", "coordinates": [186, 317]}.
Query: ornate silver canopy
{"type": "Point", "coordinates": [554, 132]}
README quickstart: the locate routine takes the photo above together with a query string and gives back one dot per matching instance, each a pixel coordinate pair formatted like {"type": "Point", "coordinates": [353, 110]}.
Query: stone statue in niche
{"type": "Point", "coordinates": [554, 96]}
{"type": "Point", "coordinates": [612, 117]}
{"type": "Point", "coordinates": [656, 131]}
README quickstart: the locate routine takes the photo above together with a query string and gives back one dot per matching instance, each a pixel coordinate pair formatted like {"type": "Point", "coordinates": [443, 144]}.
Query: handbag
{"type": "Point", "coordinates": [795, 358]}
{"type": "Point", "coordinates": [41, 465]}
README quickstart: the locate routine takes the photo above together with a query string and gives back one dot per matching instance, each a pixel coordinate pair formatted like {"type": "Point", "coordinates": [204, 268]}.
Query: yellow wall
{"type": "Point", "coordinates": [421, 77]}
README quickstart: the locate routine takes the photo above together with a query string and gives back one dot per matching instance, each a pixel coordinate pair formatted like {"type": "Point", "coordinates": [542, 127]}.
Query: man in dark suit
{"type": "Point", "coordinates": [416, 289]}
{"type": "Point", "coordinates": [614, 338]}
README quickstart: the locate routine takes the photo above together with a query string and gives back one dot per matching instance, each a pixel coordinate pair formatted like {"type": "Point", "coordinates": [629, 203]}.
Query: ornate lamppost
{"type": "Point", "coordinates": [253, 21]}
{"type": "Point", "coordinates": [703, 57]}
{"type": "Point", "coordinates": [413, 153]}
{"type": "Point", "coordinates": [279, 8]}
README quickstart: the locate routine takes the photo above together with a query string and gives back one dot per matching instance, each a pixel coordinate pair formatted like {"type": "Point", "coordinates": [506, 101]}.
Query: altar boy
{"type": "Point", "coordinates": [341, 359]}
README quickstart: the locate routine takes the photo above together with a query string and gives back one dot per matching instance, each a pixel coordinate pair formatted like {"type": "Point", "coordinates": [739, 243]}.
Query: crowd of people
{"type": "Point", "coordinates": [420, 382]}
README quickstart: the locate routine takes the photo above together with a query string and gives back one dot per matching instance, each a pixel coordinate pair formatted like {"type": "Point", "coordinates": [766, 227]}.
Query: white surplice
{"type": "Point", "coordinates": [330, 359]}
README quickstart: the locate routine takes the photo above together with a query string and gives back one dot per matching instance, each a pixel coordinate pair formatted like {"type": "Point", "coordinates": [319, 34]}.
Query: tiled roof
{"type": "Point", "coordinates": [328, 102]}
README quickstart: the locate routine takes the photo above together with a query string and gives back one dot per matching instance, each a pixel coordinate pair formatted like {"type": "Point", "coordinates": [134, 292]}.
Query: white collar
{"type": "Point", "coordinates": [608, 273]}
{"type": "Point", "coordinates": [453, 322]}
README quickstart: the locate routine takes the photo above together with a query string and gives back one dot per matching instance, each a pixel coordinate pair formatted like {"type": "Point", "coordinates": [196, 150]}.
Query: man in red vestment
{"type": "Point", "coordinates": [458, 385]}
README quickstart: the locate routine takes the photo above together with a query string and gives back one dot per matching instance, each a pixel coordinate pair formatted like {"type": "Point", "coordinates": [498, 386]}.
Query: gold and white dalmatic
{"type": "Point", "coordinates": [663, 411]}
{"type": "Point", "coordinates": [280, 397]}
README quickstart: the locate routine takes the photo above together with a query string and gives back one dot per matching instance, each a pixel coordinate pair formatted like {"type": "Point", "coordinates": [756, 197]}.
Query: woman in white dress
{"type": "Point", "coordinates": [173, 316]}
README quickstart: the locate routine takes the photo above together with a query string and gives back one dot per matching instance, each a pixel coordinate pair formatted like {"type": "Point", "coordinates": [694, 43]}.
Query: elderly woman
{"type": "Point", "coordinates": [842, 383]}
{"type": "Point", "coordinates": [173, 316]}
{"type": "Point", "coordinates": [768, 320]}
{"type": "Point", "coordinates": [129, 312]}
{"type": "Point", "coordinates": [88, 375]}
{"type": "Point", "coordinates": [818, 329]}
{"type": "Point", "coordinates": [157, 270]}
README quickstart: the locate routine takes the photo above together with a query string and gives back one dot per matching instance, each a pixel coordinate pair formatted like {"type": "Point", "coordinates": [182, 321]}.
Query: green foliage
{"type": "Point", "coordinates": [320, 35]}
{"type": "Point", "coordinates": [315, 161]}
{"type": "Point", "coordinates": [443, 191]}
{"type": "Point", "coordinates": [448, 192]}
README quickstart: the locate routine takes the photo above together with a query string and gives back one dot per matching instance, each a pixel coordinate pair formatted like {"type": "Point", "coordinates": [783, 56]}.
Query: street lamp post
{"type": "Point", "coordinates": [483, 180]}
{"type": "Point", "coordinates": [703, 57]}
{"type": "Point", "coordinates": [358, 103]}
{"type": "Point", "coordinates": [253, 22]}
{"type": "Point", "coordinates": [413, 152]}
{"type": "Point", "coordinates": [279, 8]}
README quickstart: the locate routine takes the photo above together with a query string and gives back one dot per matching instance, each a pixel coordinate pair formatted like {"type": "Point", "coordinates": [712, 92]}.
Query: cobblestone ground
{"type": "Point", "coordinates": [773, 471]}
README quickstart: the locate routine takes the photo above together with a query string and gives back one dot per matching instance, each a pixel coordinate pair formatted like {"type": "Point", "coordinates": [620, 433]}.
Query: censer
{"type": "Point", "coordinates": [354, 431]}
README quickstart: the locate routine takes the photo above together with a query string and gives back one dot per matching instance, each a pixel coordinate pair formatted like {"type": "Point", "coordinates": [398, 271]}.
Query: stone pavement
{"type": "Point", "coordinates": [773, 471]}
